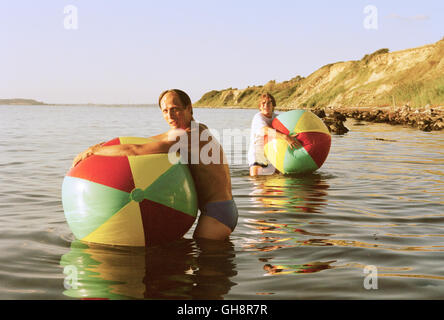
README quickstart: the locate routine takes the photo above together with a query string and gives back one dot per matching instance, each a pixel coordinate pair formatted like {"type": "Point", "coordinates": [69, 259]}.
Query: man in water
{"type": "Point", "coordinates": [261, 127]}
{"type": "Point", "coordinates": [212, 179]}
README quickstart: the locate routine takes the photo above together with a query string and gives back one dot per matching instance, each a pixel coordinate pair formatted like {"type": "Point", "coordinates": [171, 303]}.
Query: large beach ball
{"type": "Point", "coordinates": [129, 200]}
{"type": "Point", "coordinates": [313, 135]}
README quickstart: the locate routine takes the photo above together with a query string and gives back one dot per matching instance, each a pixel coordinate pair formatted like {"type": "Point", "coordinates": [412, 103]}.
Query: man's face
{"type": "Point", "coordinates": [266, 107]}
{"type": "Point", "coordinates": [175, 114]}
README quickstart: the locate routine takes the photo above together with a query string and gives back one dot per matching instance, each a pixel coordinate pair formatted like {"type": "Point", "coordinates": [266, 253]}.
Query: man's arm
{"type": "Point", "coordinates": [162, 145]}
{"type": "Point", "coordinates": [290, 139]}
{"type": "Point", "coordinates": [133, 149]}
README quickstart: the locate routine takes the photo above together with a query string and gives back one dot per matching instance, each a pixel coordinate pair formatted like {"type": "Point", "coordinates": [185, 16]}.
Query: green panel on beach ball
{"type": "Point", "coordinates": [182, 195]}
{"type": "Point", "coordinates": [298, 161]}
{"type": "Point", "coordinates": [290, 119]}
{"type": "Point", "coordinates": [92, 206]}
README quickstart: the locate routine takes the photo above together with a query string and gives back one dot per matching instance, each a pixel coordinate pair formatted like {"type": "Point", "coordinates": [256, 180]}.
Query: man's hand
{"type": "Point", "coordinates": [292, 141]}
{"type": "Point", "coordinates": [85, 154]}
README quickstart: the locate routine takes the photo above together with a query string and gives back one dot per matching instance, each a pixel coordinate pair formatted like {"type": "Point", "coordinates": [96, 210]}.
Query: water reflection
{"type": "Point", "coordinates": [286, 203]}
{"type": "Point", "coordinates": [185, 269]}
{"type": "Point", "coordinates": [279, 193]}
{"type": "Point", "coordinates": [309, 267]}
{"type": "Point", "coordinates": [361, 244]}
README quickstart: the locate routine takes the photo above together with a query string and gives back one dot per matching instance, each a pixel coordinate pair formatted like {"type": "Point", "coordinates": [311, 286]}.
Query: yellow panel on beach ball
{"type": "Point", "coordinates": [135, 140]}
{"type": "Point", "coordinates": [123, 228]}
{"type": "Point", "coordinates": [309, 122]}
{"type": "Point", "coordinates": [275, 151]}
{"type": "Point", "coordinates": [143, 178]}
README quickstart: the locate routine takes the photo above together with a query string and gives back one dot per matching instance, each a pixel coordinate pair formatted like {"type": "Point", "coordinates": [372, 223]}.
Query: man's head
{"type": "Point", "coordinates": [176, 108]}
{"type": "Point", "coordinates": [267, 104]}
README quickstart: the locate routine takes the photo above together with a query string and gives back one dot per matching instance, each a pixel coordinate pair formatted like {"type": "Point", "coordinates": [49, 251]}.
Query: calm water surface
{"type": "Point", "coordinates": [377, 201]}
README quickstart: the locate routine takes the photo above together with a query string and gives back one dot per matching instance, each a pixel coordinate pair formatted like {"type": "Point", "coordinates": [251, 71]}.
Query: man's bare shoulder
{"type": "Point", "coordinates": [159, 136]}
{"type": "Point", "coordinates": [202, 126]}
{"type": "Point", "coordinates": [197, 126]}
{"type": "Point", "coordinates": [170, 135]}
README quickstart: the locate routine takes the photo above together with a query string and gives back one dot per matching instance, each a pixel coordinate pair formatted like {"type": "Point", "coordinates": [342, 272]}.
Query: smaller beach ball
{"type": "Point", "coordinates": [129, 200]}
{"type": "Point", "coordinates": [313, 135]}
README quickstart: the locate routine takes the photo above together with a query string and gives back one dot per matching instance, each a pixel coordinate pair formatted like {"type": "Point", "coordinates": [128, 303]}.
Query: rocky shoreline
{"type": "Point", "coordinates": [426, 119]}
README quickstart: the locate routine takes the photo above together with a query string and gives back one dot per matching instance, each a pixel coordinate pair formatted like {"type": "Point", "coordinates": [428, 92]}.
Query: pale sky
{"type": "Point", "coordinates": [130, 51]}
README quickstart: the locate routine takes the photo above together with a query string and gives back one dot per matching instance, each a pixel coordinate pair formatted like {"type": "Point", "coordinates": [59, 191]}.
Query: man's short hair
{"type": "Point", "coordinates": [268, 96]}
{"type": "Point", "coordinates": [183, 97]}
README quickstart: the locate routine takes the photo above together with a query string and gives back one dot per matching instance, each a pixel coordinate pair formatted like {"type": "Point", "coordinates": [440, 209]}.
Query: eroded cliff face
{"type": "Point", "coordinates": [412, 77]}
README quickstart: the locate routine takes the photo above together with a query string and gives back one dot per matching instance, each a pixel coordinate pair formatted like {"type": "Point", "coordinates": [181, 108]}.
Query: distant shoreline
{"type": "Point", "coordinates": [31, 102]}
{"type": "Point", "coordinates": [19, 101]}
{"type": "Point", "coordinates": [99, 105]}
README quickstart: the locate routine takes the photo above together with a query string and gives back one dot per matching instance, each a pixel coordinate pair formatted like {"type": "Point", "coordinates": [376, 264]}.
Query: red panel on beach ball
{"type": "Point", "coordinates": [114, 172]}
{"type": "Point", "coordinates": [163, 224]}
{"type": "Point", "coordinates": [279, 126]}
{"type": "Point", "coordinates": [317, 144]}
{"type": "Point", "coordinates": [112, 142]}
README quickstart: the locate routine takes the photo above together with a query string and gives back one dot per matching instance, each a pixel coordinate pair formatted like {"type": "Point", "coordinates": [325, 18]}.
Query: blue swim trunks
{"type": "Point", "coordinates": [222, 211]}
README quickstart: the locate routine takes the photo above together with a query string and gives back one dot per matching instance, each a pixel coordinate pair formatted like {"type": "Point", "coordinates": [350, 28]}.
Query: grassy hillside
{"type": "Point", "coordinates": [413, 76]}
